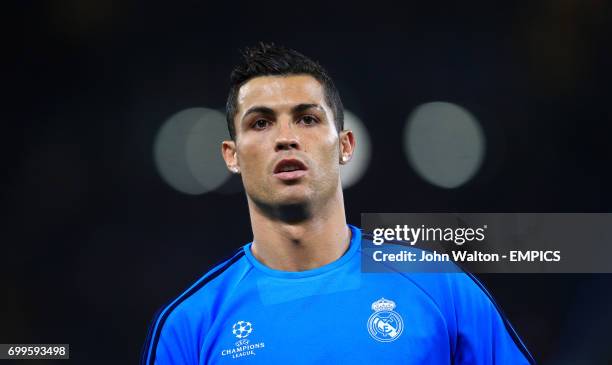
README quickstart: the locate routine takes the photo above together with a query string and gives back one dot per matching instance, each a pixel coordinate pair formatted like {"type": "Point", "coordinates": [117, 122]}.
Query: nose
{"type": "Point", "coordinates": [286, 138]}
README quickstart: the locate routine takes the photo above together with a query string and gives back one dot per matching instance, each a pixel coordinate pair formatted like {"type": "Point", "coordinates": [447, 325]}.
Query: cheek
{"type": "Point", "coordinates": [329, 154]}
{"type": "Point", "coordinates": [331, 145]}
{"type": "Point", "coordinates": [325, 141]}
{"type": "Point", "coordinates": [252, 160]}
{"type": "Point", "coordinates": [249, 154]}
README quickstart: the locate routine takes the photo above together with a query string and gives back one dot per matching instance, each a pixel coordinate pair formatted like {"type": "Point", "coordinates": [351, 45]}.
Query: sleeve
{"type": "Point", "coordinates": [177, 333]}
{"type": "Point", "coordinates": [172, 341]}
{"type": "Point", "coordinates": [484, 336]}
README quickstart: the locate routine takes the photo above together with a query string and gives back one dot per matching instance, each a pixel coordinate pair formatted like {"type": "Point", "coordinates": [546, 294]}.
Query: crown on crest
{"type": "Point", "coordinates": [383, 304]}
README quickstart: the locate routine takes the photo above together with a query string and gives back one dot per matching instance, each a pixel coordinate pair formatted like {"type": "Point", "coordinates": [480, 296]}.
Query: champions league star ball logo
{"type": "Point", "coordinates": [385, 324]}
{"type": "Point", "coordinates": [243, 347]}
{"type": "Point", "coordinates": [242, 329]}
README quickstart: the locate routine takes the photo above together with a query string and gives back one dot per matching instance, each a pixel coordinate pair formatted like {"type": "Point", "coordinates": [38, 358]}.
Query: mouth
{"type": "Point", "coordinates": [290, 169]}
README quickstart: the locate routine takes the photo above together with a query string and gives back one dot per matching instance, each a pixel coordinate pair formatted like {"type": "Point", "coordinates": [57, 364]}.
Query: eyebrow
{"type": "Point", "coordinates": [300, 108]}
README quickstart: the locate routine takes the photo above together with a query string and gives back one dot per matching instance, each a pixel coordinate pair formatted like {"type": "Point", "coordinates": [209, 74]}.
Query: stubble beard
{"type": "Point", "coordinates": [291, 211]}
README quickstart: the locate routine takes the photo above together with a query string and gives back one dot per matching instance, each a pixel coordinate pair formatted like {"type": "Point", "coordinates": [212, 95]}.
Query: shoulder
{"type": "Point", "coordinates": [476, 323]}
{"type": "Point", "coordinates": [184, 318]}
{"type": "Point", "coordinates": [455, 294]}
{"type": "Point", "coordinates": [468, 308]}
{"type": "Point", "coordinates": [442, 280]}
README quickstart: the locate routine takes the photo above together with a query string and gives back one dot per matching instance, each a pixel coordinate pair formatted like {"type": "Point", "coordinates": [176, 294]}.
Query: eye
{"type": "Point", "coordinates": [308, 120]}
{"type": "Point", "coordinates": [260, 124]}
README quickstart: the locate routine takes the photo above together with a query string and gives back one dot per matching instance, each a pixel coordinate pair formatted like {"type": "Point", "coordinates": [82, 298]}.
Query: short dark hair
{"type": "Point", "coordinates": [266, 59]}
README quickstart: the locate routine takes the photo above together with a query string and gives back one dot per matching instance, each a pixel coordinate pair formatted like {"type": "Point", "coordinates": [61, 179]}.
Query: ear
{"type": "Point", "coordinates": [229, 153]}
{"type": "Point", "coordinates": [347, 146]}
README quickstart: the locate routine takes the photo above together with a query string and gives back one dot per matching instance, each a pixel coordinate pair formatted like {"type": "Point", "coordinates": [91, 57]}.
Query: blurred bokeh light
{"type": "Point", "coordinates": [187, 150]}
{"type": "Point", "coordinates": [444, 143]}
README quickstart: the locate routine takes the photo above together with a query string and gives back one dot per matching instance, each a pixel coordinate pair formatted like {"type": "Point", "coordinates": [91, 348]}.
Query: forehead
{"type": "Point", "coordinates": [281, 91]}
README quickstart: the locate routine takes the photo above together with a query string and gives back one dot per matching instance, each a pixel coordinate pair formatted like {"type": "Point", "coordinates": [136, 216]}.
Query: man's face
{"type": "Point", "coordinates": [287, 147]}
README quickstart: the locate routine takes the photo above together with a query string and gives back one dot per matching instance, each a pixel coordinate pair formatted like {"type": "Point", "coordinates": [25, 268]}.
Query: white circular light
{"type": "Point", "coordinates": [444, 143]}
{"type": "Point", "coordinates": [187, 150]}
{"type": "Point", "coordinates": [352, 172]}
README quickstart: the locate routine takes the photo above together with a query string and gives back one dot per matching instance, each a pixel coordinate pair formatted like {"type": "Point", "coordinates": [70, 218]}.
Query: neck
{"type": "Point", "coordinates": [299, 237]}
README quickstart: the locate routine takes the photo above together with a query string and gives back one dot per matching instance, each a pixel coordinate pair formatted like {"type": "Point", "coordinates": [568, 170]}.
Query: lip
{"type": "Point", "coordinates": [290, 175]}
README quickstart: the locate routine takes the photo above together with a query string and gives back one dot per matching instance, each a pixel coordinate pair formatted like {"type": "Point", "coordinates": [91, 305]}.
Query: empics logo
{"type": "Point", "coordinates": [385, 324]}
{"type": "Point", "coordinates": [242, 347]}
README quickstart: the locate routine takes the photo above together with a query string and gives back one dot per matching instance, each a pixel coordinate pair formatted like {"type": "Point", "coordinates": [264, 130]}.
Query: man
{"type": "Point", "coordinates": [296, 294]}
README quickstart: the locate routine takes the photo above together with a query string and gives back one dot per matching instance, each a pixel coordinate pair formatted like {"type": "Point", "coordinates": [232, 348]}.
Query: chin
{"type": "Point", "coordinates": [289, 195]}
{"type": "Point", "coordinates": [293, 199]}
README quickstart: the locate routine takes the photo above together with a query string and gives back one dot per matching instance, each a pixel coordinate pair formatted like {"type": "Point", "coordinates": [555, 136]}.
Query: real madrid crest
{"type": "Point", "coordinates": [385, 324]}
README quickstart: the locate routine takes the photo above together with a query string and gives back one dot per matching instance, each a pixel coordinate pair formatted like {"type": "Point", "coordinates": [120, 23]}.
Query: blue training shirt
{"type": "Point", "coordinates": [242, 311]}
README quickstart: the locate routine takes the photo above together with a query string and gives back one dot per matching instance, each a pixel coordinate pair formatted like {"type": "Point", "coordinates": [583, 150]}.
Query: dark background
{"type": "Point", "coordinates": [94, 241]}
